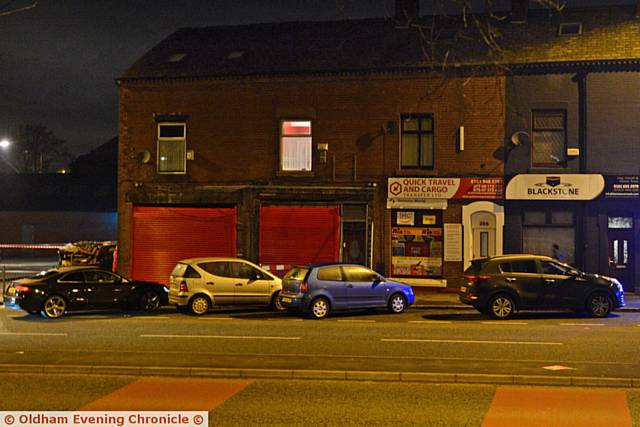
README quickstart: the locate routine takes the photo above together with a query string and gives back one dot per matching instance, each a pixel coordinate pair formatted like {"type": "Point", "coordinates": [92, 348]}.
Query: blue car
{"type": "Point", "coordinates": [318, 289]}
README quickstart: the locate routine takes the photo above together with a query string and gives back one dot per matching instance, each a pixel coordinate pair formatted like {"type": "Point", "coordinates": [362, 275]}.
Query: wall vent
{"type": "Point", "coordinates": [570, 29]}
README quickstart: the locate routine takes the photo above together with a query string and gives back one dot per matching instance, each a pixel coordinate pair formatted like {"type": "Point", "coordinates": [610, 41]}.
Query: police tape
{"type": "Point", "coordinates": [32, 245]}
{"type": "Point", "coordinates": [103, 418]}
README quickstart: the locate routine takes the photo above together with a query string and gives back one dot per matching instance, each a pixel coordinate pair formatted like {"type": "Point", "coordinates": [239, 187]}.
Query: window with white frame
{"type": "Point", "coordinates": [416, 141]}
{"type": "Point", "coordinates": [172, 147]}
{"type": "Point", "coordinates": [549, 131]}
{"type": "Point", "coordinates": [295, 145]}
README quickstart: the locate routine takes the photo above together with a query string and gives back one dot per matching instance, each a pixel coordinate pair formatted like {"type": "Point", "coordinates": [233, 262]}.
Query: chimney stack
{"type": "Point", "coordinates": [407, 12]}
{"type": "Point", "coordinates": [519, 10]}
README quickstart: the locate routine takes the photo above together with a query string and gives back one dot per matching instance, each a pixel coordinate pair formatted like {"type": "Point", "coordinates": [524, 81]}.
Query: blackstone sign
{"type": "Point", "coordinates": [555, 187]}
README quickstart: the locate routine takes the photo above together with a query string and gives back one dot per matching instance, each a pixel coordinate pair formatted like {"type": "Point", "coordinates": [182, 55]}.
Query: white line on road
{"type": "Point", "coordinates": [39, 334]}
{"type": "Point", "coordinates": [430, 321]}
{"type": "Point", "coordinates": [472, 342]}
{"type": "Point", "coordinates": [232, 337]}
{"type": "Point", "coordinates": [582, 324]}
{"type": "Point", "coordinates": [356, 321]}
{"type": "Point", "coordinates": [502, 322]}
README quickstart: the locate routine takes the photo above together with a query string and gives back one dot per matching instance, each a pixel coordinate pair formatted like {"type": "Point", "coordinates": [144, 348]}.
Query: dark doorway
{"type": "Point", "coordinates": [354, 242]}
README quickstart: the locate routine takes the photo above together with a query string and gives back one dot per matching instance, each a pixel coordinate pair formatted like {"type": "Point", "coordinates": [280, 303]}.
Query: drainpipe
{"type": "Point", "coordinates": [581, 79]}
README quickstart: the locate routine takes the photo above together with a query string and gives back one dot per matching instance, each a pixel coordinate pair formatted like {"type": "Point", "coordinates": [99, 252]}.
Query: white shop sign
{"type": "Point", "coordinates": [555, 187]}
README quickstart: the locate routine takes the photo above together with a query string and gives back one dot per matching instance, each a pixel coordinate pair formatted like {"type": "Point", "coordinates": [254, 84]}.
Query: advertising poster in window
{"type": "Point", "coordinates": [417, 251]}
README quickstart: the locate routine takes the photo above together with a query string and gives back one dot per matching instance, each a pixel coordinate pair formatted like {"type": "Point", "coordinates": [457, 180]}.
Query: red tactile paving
{"type": "Point", "coordinates": [535, 407]}
{"type": "Point", "coordinates": [163, 394]}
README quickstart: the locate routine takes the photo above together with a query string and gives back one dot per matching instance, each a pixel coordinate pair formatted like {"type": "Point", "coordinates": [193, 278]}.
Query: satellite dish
{"type": "Point", "coordinates": [144, 156]}
{"type": "Point", "coordinates": [519, 138]}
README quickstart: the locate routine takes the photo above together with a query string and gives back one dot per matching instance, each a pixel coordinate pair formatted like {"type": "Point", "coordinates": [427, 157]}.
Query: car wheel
{"type": "Point", "coordinates": [199, 305]}
{"type": "Point", "coordinates": [54, 307]}
{"type": "Point", "coordinates": [319, 308]}
{"type": "Point", "coordinates": [150, 301]}
{"type": "Point", "coordinates": [599, 305]}
{"type": "Point", "coordinates": [397, 303]}
{"type": "Point", "coordinates": [501, 307]}
{"type": "Point", "coordinates": [276, 302]}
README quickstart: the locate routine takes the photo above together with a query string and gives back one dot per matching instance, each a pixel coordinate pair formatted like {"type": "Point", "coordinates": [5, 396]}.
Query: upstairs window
{"type": "Point", "coordinates": [172, 147]}
{"type": "Point", "coordinates": [549, 138]}
{"type": "Point", "coordinates": [295, 145]}
{"type": "Point", "coordinates": [416, 141]}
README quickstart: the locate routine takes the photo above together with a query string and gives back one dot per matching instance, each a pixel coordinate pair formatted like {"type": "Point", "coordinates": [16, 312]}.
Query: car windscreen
{"type": "Point", "coordinates": [475, 267]}
{"type": "Point", "coordinates": [296, 273]}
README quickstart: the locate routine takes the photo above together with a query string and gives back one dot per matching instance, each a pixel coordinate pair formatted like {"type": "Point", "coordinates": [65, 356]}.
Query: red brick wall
{"type": "Point", "coordinates": [233, 128]}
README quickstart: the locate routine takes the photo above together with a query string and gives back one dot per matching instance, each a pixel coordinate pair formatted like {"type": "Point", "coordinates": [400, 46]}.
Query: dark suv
{"type": "Point", "coordinates": [500, 285]}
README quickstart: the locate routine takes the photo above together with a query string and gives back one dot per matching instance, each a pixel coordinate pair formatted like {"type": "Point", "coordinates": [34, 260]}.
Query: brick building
{"type": "Point", "coordinates": [307, 142]}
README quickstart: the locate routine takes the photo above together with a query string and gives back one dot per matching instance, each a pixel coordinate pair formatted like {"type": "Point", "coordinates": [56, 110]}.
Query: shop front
{"type": "Point", "coordinates": [437, 225]}
{"type": "Point", "coordinates": [556, 215]}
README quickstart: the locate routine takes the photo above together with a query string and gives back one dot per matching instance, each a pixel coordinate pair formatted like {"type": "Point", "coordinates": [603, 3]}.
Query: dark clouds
{"type": "Point", "coordinates": [58, 61]}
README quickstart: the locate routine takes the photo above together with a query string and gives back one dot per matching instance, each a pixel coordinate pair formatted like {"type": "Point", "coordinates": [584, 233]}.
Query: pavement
{"type": "Point", "coordinates": [446, 299]}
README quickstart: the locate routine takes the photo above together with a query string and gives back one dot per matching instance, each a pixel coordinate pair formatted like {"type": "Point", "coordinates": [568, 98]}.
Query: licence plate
{"type": "Point", "coordinates": [463, 289]}
{"type": "Point", "coordinates": [286, 299]}
{"type": "Point", "coordinates": [11, 291]}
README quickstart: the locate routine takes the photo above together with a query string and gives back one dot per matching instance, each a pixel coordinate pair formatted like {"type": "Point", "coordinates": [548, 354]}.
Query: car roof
{"type": "Point", "coordinates": [507, 257]}
{"type": "Point", "coordinates": [68, 268]}
{"type": "Point", "coordinates": [211, 259]}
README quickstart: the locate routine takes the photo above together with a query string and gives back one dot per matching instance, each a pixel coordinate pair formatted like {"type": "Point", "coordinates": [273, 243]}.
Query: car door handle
{"type": "Point", "coordinates": [510, 279]}
{"type": "Point", "coordinates": [238, 284]}
{"type": "Point", "coordinates": [349, 285]}
{"type": "Point", "coordinates": [550, 280]}
{"type": "Point", "coordinates": [210, 283]}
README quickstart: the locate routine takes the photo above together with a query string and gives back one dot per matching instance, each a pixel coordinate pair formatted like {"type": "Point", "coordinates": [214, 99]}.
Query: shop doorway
{"type": "Point", "coordinates": [484, 234]}
{"type": "Point", "coordinates": [621, 253]}
{"type": "Point", "coordinates": [355, 242]}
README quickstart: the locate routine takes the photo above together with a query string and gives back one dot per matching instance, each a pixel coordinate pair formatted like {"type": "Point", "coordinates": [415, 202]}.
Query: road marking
{"type": "Point", "coordinates": [356, 321]}
{"type": "Point", "coordinates": [536, 406]}
{"type": "Point", "coordinates": [502, 322]}
{"type": "Point", "coordinates": [151, 317]}
{"type": "Point", "coordinates": [37, 334]}
{"type": "Point", "coordinates": [176, 393]}
{"type": "Point", "coordinates": [558, 368]}
{"type": "Point", "coordinates": [473, 342]}
{"type": "Point", "coordinates": [582, 324]}
{"type": "Point", "coordinates": [429, 321]}
{"type": "Point", "coordinates": [232, 337]}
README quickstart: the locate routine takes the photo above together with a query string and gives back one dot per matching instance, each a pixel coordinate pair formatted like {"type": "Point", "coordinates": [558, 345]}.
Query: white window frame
{"type": "Point", "coordinates": [182, 139]}
{"type": "Point", "coordinates": [307, 156]}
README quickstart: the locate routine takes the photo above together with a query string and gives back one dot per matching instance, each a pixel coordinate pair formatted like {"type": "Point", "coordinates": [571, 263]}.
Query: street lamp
{"type": "Point", "coordinates": [4, 144]}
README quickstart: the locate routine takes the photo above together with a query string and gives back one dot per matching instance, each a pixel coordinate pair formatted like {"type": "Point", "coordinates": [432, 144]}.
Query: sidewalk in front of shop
{"type": "Point", "coordinates": [437, 298]}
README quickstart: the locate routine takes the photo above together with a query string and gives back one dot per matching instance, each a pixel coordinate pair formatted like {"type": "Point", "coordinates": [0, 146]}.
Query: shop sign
{"type": "Point", "coordinates": [401, 189]}
{"type": "Point", "coordinates": [621, 186]}
{"type": "Point", "coordinates": [555, 187]}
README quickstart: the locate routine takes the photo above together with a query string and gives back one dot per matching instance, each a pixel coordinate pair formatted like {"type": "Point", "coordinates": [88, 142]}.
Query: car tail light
{"type": "Point", "coordinates": [304, 287]}
{"type": "Point", "coordinates": [23, 289]}
{"type": "Point", "coordinates": [474, 279]}
{"type": "Point", "coordinates": [183, 286]}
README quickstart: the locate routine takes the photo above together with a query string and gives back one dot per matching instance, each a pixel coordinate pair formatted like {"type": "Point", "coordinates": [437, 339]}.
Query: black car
{"type": "Point", "coordinates": [56, 291]}
{"type": "Point", "coordinates": [500, 285]}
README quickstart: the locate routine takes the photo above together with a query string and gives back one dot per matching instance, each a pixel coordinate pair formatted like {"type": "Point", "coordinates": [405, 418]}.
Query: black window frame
{"type": "Point", "coordinates": [419, 133]}
{"type": "Point", "coordinates": [562, 161]}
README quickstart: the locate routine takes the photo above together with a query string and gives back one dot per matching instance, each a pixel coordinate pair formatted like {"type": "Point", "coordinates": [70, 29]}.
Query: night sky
{"type": "Point", "coordinates": [58, 61]}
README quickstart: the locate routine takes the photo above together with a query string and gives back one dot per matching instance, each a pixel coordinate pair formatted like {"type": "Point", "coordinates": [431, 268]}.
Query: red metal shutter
{"type": "Point", "coordinates": [161, 236]}
{"type": "Point", "coordinates": [299, 235]}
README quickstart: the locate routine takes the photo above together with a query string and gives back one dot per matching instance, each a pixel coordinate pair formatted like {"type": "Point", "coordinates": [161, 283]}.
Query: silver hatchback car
{"type": "Point", "coordinates": [200, 283]}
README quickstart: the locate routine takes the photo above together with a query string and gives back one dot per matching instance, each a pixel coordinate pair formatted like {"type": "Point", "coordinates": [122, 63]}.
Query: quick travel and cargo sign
{"type": "Point", "coordinates": [555, 187]}
{"type": "Point", "coordinates": [413, 189]}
